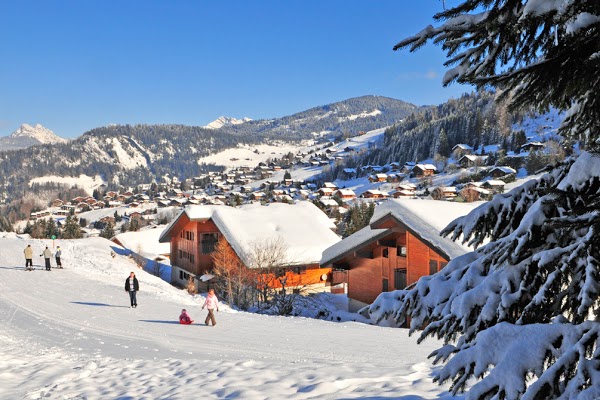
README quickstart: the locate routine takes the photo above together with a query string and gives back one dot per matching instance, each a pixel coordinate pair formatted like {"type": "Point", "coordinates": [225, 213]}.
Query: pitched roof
{"type": "Point", "coordinates": [425, 219]}
{"type": "Point", "coordinates": [346, 246]}
{"type": "Point", "coordinates": [305, 230]}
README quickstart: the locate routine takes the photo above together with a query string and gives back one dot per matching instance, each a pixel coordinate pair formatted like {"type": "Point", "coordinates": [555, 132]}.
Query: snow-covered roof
{"type": "Point", "coordinates": [360, 238]}
{"type": "Point", "coordinates": [506, 170]}
{"type": "Point", "coordinates": [495, 182]}
{"type": "Point", "coordinates": [426, 219]}
{"type": "Point", "coordinates": [145, 242]}
{"type": "Point", "coordinates": [426, 167]}
{"type": "Point", "coordinates": [305, 230]}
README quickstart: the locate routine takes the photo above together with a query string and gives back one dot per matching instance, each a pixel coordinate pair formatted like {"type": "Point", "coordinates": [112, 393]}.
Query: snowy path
{"type": "Point", "coordinates": [70, 334]}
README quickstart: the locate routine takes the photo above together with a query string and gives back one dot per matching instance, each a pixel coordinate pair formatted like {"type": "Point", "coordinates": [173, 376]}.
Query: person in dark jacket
{"type": "Point", "coordinates": [132, 286]}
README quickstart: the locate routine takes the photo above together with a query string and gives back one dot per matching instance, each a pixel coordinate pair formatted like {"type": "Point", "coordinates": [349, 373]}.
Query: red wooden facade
{"type": "Point", "coordinates": [392, 260]}
{"type": "Point", "coordinates": [192, 244]}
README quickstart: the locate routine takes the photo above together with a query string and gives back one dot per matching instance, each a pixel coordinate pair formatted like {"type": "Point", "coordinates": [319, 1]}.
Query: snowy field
{"type": "Point", "coordinates": [87, 183]}
{"type": "Point", "coordinates": [69, 334]}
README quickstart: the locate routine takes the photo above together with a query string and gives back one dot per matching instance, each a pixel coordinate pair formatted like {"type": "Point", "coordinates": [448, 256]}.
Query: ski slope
{"type": "Point", "coordinates": [69, 334]}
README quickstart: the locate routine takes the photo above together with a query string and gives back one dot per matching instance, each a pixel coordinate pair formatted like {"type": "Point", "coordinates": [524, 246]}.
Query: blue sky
{"type": "Point", "coordinates": [76, 65]}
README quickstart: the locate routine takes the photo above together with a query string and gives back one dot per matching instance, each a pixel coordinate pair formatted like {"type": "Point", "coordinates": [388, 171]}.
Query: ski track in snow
{"type": "Point", "coordinates": [69, 334]}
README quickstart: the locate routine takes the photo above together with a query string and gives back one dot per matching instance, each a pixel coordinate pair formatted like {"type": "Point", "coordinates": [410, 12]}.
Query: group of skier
{"type": "Point", "coordinates": [47, 254]}
{"type": "Point", "coordinates": [132, 286]}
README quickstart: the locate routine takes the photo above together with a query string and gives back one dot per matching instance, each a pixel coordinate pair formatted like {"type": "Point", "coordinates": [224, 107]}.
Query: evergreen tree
{"type": "Point", "coordinates": [521, 315]}
{"type": "Point", "coordinates": [287, 175]}
{"type": "Point", "coordinates": [51, 229]}
{"type": "Point", "coordinates": [108, 231]}
{"type": "Point", "coordinates": [444, 147]}
{"type": "Point", "coordinates": [71, 230]}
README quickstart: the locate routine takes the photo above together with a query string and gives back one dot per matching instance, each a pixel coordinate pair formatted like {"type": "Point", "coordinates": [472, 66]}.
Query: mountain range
{"type": "Point", "coordinates": [131, 154]}
{"type": "Point", "coordinates": [27, 136]}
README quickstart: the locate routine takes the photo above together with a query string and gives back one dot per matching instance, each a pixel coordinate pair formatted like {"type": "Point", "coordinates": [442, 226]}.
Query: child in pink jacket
{"type": "Point", "coordinates": [211, 303]}
{"type": "Point", "coordinates": [184, 318]}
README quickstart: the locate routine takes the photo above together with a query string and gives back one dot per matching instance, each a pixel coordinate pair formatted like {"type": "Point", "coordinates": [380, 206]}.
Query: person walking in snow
{"type": "Point", "coordinates": [132, 286]}
{"type": "Point", "coordinates": [184, 318]}
{"type": "Point", "coordinates": [47, 254]}
{"type": "Point", "coordinates": [28, 258]}
{"type": "Point", "coordinates": [57, 257]}
{"type": "Point", "coordinates": [211, 303]}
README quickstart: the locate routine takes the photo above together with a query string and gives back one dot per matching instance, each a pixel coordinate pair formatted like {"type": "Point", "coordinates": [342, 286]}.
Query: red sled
{"type": "Point", "coordinates": [182, 322]}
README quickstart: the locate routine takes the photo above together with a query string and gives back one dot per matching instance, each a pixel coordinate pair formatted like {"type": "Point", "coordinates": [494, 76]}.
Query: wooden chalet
{"type": "Point", "coordinates": [421, 170]}
{"type": "Point", "coordinates": [499, 172]}
{"type": "Point", "coordinates": [57, 203]}
{"type": "Point", "coordinates": [344, 194]}
{"type": "Point", "coordinates": [470, 160]}
{"type": "Point", "coordinates": [400, 245]}
{"type": "Point", "coordinates": [304, 230]}
{"type": "Point", "coordinates": [374, 194]}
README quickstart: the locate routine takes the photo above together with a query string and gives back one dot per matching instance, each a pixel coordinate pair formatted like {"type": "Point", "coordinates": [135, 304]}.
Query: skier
{"type": "Point", "coordinates": [28, 258]}
{"type": "Point", "coordinates": [211, 303]}
{"type": "Point", "coordinates": [132, 286]}
{"type": "Point", "coordinates": [184, 318]}
{"type": "Point", "coordinates": [57, 256]}
{"type": "Point", "coordinates": [47, 254]}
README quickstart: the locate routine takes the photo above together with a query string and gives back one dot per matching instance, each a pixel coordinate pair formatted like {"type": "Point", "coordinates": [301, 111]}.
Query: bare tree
{"type": "Point", "coordinates": [232, 276]}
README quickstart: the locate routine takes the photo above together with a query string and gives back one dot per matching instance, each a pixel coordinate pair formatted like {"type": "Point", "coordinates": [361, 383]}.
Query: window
{"type": "Point", "coordinates": [401, 251]}
{"type": "Point", "coordinates": [300, 269]}
{"type": "Point", "coordinates": [400, 278]}
{"type": "Point", "coordinates": [180, 254]}
{"type": "Point", "coordinates": [384, 285]}
{"type": "Point", "coordinates": [386, 253]}
{"type": "Point", "coordinates": [184, 276]}
{"type": "Point", "coordinates": [433, 267]}
{"type": "Point", "coordinates": [443, 264]}
{"type": "Point", "coordinates": [192, 258]}
{"type": "Point", "coordinates": [207, 245]}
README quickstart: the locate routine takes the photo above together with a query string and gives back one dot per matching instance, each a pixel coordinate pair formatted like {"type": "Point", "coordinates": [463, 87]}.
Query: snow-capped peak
{"type": "Point", "coordinates": [37, 132]}
{"type": "Point", "coordinates": [226, 121]}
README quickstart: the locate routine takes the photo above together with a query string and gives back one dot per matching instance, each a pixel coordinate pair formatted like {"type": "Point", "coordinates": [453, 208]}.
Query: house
{"type": "Point", "coordinates": [443, 193]}
{"type": "Point", "coordinates": [344, 194]}
{"type": "Point", "coordinates": [374, 194]}
{"type": "Point", "coordinates": [462, 149]}
{"type": "Point", "coordinates": [499, 172]}
{"type": "Point", "coordinates": [472, 193]}
{"type": "Point", "coordinates": [532, 146]}
{"type": "Point", "coordinates": [57, 203]}
{"type": "Point", "coordinates": [470, 160]}
{"type": "Point", "coordinates": [400, 245]}
{"type": "Point", "coordinates": [330, 185]}
{"type": "Point", "coordinates": [258, 196]}
{"type": "Point", "coordinates": [303, 229]}
{"type": "Point", "coordinates": [325, 191]}
{"type": "Point", "coordinates": [378, 178]}
{"type": "Point", "coordinates": [421, 170]}
{"type": "Point", "coordinates": [494, 185]}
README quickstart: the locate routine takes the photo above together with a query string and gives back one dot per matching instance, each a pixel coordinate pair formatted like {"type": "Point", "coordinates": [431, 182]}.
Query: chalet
{"type": "Point", "coordinates": [443, 193]}
{"type": "Point", "coordinates": [462, 149]}
{"type": "Point", "coordinates": [499, 172]}
{"type": "Point", "coordinates": [344, 194]}
{"type": "Point", "coordinates": [421, 170]}
{"type": "Point", "coordinates": [472, 193]}
{"type": "Point", "coordinates": [494, 185]}
{"type": "Point", "coordinates": [302, 228]}
{"type": "Point", "coordinates": [374, 194]}
{"type": "Point", "coordinates": [325, 191]}
{"type": "Point", "coordinates": [257, 196]}
{"type": "Point", "coordinates": [111, 194]}
{"type": "Point", "coordinates": [532, 146]}
{"type": "Point", "coordinates": [401, 244]}
{"type": "Point", "coordinates": [330, 185]}
{"type": "Point", "coordinates": [121, 198]}
{"type": "Point", "coordinates": [378, 178]}
{"type": "Point", "coordinates": [329, 203]}
{"type": "Point", "coordinates": [470, 160]}
{"type": "Point", "coordinates": [57, 203]}
{"type": "Point", "coordinates": [395, 166]}
{"type": "Point", "coordinates": [402, 193]}
{"type": "Point", "coordinates": [395, 178]}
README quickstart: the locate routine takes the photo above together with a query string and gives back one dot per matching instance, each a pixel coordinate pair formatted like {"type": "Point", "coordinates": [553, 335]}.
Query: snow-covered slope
{"type": "Point", "coordinates": [70, 334]}
{"type": "Point", "coordinates": [28, 135]}
{"type": "Point", "coordinates": [226, 121]}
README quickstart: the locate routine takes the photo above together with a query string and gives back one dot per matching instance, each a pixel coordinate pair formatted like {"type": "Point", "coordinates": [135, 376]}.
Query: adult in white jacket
{"type": "Point", "coordinates": [47, 254]}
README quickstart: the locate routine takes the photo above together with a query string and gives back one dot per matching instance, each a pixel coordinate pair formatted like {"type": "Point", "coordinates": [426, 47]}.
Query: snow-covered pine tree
{"type": "Point", "coordinates": [521, 314]}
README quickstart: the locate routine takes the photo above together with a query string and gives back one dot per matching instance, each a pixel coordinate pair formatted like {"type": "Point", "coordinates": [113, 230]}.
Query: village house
{"type": "Point", "coordinates": [374, 194]}
{"type": "Point", "coordinates": [303, 229]}
{"type": "Point", "coordinates": [499, 172]}
{"type": "Point", "coordinates": [474, 192]}
{"type": "Point", "coordinates": [325, 191]}
{"type": "Point", "coordinates": [344, 194]}
{"type": "Point", "coordinates": [378, 178]}
{"type": "Point", "coordinates": [470, 160]}
{"type": "Point", "coordinates": [494, 185]}
{"type": "Point", "coordinates": [400, 245]}
{"type": "Point", "coordinates": [532, 146]}
{"type": "Point", "coordinates": [443, 193]}
{"type": "Point", "coordinates": [461, 149]}
{"type": "Point", "coordinates": [421, 170]}
{"type": "Point", "coordinates": [57, 203]}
